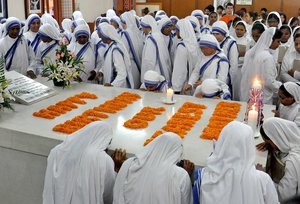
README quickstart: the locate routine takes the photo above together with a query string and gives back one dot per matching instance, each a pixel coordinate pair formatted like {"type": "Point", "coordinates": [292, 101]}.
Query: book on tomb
{"type": "Point", "coordinates": [281, 52]}
{"type": "Point", "coordinates": [296, 65]}
{"type": "Point", "coordinates": [26, 90]}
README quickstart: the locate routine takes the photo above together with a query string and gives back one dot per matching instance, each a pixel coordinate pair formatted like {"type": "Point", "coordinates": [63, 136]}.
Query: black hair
{"type": "Point", "coordinates": [229, 4]}
{"type": "Point", "coordinates": [235, 20]}
{"type": "Point", "coordinates": [258, 26]}
{"type": "Point", "coordinates": [253, 15]}
{"type": "Point", "coordinates": [213, 13]}
{"type": "Point", "coordinates": [263, 9]}
{"type": "Point", "coordinates": [244, 9]}
{"type": "Point", "coordinates": [263, 134]}
{"type": "Point", "coordinates": [296, 36]}
{"type": "Point", "coordinates": [278, 34]}
{"type": "Point", "coordinates": [283, 14]}
{"type": "Point", "coordinates": [211, 8]}
{"type": "Point", "coordinates": [286, 27]}
{"type": "Point", "coordinates": [220, 7]}
{"type": "Point", "coordinates": [273, 15]}
{"type": "Point", "coordinates": [293, 20]}
{"type": "Point", "coordinates": [284, 91]}
{"type": "Point", "coordinates": [240, 23]}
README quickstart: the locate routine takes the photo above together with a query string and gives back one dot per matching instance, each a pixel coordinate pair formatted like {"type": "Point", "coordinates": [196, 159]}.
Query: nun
{"type": "Point", "coordinates": [259, 63]}
{"type": "Point", "coordinates": [50, 38]}
{"type": "Point", "coordinates": [284, 135]}
{"type": "Point", "coordinates": [229, 46]}
{"type": "Point", "coordinates": [15, 48]}
{"type": "Point", "coordinates": [186, 56]}
{"type": "Point", "coordinates": [152, 176]}
{"type": "Point", "coordinates": [154, 82]}
{"type": "Point", "coordinates": [132, 39]}
{"type": "Point", "coordinates": [32, 26]}
{"type": "Point", "coordinates": [83, 48]}
{"type": "Point", "coordinates": [156, 54]}
{"type": "Point", "coordinates": [116, 69]}
{"type": "Point", "coordinates": [213, 64]}
{"type": "Point", "coordinates": [230, 175]}
{"type": "Point", "coordinates": [79, 170]}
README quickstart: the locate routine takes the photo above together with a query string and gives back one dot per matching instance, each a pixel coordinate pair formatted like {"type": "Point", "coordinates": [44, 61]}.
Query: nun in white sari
{"type": "Point", "coordinates": [230, 176]}
{"type": "Point", "coordinates": [186, 56]}
{"type": "Point", "coordinates": [116, 68]}
{"type": "Point", "coordinates": [31, 34]}
{"type": "Point", "coordinates": [15, 48]}
{"type": "Point", "coordinates": [132, 39]}
{"type": "Point", "coordinates": [152, 176]}
{"type": "Point", "coordinates": [148, 25]}
{"type": "Point", "coordinates": [46, 50]}
{"type": "Point", "coordinates": [86, 50]}
{"type": "Point", "coordinates": [79, 170]}
{"type": "Point", "coordinates": [286, 136]}
{"type": "Point", "coordinates": [259, 63]}
{"type": "Point", "coordinates": [156, 55]}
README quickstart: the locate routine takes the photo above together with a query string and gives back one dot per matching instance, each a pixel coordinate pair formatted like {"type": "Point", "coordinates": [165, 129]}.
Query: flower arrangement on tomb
{"type": "Point", "coordinates": [67, 67]}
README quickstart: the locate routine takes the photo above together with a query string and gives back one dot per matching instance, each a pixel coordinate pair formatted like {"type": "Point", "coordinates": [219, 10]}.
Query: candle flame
{"type": "Point", "coordinates": [253, 106]}
{"type": "Point", "coordinates": [256, 81]}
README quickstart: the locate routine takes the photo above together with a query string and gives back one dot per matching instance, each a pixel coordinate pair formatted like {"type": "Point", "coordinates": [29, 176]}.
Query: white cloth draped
{"type": "Point", "coordinates": [133, 42]}
{"type": "Point", "coordinates": [230, 176]}
{"type": "Point", "coordinates": [152, 176]}
{"type": "Point", "coordinates": [286, 136]}
{"type": "Point", "coordinates": [213, 87]}
{"type": "Point", "coordinates": [47, 18]}
{"type": "Point", "coordinates": [76, 15]}
{"type": "Point", "coordinates": [186, 55]}
{"type": "Point", "coordinates": [119, 60]}
{"type": "Point", "coordinates": [79, 170]}
{"type": "Point", "coordinates": [259, 63]}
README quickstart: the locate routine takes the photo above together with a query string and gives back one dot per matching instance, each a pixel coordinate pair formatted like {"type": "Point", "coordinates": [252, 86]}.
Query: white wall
{"type": "Point", "coordinates": [16, 8]}
{"type": "Point", "coordinates": [91, 9]}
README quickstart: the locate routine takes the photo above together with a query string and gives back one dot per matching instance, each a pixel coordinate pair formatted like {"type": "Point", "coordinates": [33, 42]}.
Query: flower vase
{"type": "Point", "coordinates": [58, 83]}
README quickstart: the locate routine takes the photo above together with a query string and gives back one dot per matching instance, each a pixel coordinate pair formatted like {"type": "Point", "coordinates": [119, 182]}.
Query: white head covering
{"type": "Point", "coordinates": [160, 13]}
{"type": "Point", "coordinates": [150, 176]}
{"type": "Point", "coordinates": [198, 14]}
{"type": "Point", "coordinates": [110, 13]}
{"type": "Point", "coordinates": [209, 41]}
{"type": "Point", "coordinates": [278, 16]}
{"type": "Point", "coordinates": [294, 89]}
{"type": "Point", "coordinates": [77, 15]}
{"type": "Point", "coordinates": [285, 135]}
{"type": "Point", "coordinates": [230, 175]}
{"type": "Point", "coordinates": [220, 27]}
{"type": "Point", "coordinates": [47, 18]}
{"type": "Point", "coordinates": [174, 18]}
{"type": "Point", "coordinates": [11, 22]}
{"type": "Point", "coordinates": [109, 32]}
{"type": "Point", "coordinates": [130, 21]}
{"type": "Point", "coordinates": [195, 23]}
{"type": "Point", "coordinates": [82, 30]}
{"type": "Point", "coordinates": [117, 21]}
{"type": "Point", "coordinates": [212, 87]}
{"type": "Point", "coordinates": [189, 39]}
{"type": "Point", "coordinates": [78, 22]}
{"type": "Point", "coordinates": [152, 78]}
{"type": "Point", "coordinates": [105, 20]}
{"type": "Point", "coordinates": [48, 30]}
{"type": "Point", "coordinates": [76, 168]}
{"type": "Point", "coordinates": [149, 22]}
{"type": "Point", "coordinates": [249, 70]}
{"type": "Point", "coordinates": [29, 21]}
{"type": "Point", "coordinates": [67, 25]}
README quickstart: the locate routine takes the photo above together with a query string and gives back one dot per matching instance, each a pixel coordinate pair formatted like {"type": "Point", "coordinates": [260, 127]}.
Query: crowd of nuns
{"type": "Point", "coordinates": [208, 55]}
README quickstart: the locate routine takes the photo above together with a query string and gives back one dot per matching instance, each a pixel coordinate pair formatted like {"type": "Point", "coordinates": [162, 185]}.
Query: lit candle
{"type": "Point", "coordinates": [170, 94]}
{"type": "Point", "coordinates": [256, 84]}
{"type": "Point", "coordinates": [252, 118]}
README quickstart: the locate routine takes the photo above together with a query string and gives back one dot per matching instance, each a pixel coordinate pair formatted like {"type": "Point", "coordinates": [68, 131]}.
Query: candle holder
{"type": "Point", "coordinates": [255, 103]}
{"type": "Point", "coordinates": [169, 99]}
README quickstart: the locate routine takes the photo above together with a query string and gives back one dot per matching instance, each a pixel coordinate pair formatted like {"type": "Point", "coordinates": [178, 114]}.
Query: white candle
{"type": "Point", "coordinates": [170, 94]}
{"type": "Point", "coordinates": [252, 118]}
{"type": "Point", "coordinates": [256, 84]}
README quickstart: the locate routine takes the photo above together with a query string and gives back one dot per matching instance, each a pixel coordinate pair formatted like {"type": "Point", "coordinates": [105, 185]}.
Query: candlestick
{"type": "Point", "coordinates": [170, 95]}
{"type": "Point", "coordinates": [252, 118]}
